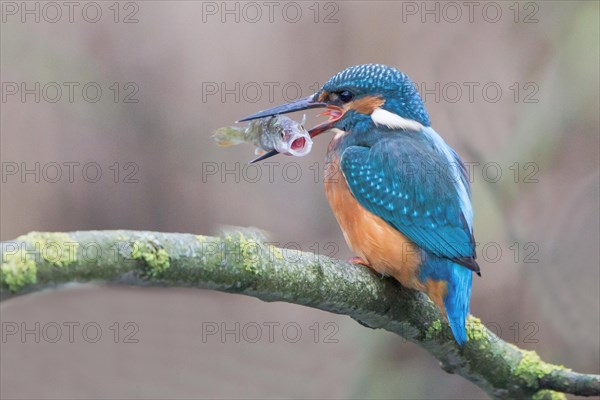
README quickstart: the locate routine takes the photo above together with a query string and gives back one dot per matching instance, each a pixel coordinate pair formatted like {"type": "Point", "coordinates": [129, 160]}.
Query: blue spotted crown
{"type": "Point", "coordinates": [398, 90]}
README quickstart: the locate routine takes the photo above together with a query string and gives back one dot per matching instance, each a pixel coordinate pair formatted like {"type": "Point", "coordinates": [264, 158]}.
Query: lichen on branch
{"type": "Point", "coordinates": [242, 261]}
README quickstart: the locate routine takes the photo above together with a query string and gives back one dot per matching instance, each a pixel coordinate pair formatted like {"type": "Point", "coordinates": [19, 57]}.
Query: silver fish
{"type": "Point", "coordinates": [279, 133]}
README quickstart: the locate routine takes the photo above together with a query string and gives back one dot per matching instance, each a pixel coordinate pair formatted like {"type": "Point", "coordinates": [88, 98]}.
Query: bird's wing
{"type": "Point", "coordinates": [411, 186]}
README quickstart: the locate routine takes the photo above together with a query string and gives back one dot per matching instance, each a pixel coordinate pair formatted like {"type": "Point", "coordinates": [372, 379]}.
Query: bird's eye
{"type": "Point", "coordinates": [345, 96]}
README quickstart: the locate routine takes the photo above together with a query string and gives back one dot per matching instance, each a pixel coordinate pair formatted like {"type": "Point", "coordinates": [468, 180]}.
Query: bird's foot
{"type": "Point", "coordinates": [358, 260]}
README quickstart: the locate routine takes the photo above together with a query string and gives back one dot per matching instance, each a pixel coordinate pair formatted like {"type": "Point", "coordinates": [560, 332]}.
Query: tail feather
{"type": "Point", "coordinates": [228, 136]}
{"type": "Point", "coordinates": [457, 300]}
{"type": "Point", "coordinates": [458, 291]}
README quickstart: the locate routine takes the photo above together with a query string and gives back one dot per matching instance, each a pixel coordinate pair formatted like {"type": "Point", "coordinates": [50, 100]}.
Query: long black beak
{"type": "Point", "coordinates": [298, 105]}
{"type": "Point", "coordinates": [264, 156]}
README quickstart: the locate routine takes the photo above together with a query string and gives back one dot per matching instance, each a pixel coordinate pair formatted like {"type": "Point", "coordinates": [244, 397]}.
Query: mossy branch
{"type": "Point", "coordinates": [242, 261]}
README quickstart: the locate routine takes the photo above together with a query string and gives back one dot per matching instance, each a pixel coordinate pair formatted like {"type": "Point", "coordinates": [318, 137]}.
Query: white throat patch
{"type": "Point", "coordinates": [391, 120]}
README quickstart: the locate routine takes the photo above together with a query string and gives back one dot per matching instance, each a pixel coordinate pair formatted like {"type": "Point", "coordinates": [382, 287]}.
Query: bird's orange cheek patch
{"type": "Point", "coordinates": [365, 105]}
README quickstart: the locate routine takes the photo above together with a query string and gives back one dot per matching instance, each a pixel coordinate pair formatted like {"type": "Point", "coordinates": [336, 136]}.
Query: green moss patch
{"type": "Point", "coordinates": [17, 270]}
{"type": "Point", "coordinates": [434, 331]}
{"type": "Point", "coordinates": [476, 330]}
{"type": "Point", "coordinates": [531, 368]}
{"type": "Point", "coordinates": [156, 257]}
{"type": "Point", "coordinates": [58, 249]}
{"type": "Point", "coordinates": [549, 395]}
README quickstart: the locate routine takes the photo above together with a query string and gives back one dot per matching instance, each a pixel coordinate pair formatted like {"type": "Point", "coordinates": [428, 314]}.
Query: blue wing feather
{"type": "Point", "coordinates": [404, 179]}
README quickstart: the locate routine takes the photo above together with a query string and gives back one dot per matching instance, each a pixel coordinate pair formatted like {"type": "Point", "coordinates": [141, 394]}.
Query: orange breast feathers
{"type": "Point", "coordinates": [382, 246]}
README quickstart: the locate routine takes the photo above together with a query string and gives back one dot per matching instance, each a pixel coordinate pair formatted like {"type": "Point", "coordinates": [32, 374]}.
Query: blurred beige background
{"type": "Point", "coordinates": [192, 67]}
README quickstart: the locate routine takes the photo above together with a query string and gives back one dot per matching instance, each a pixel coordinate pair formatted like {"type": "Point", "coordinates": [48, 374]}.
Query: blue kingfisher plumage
{"type": "Point", "coordinates": [404, 203]}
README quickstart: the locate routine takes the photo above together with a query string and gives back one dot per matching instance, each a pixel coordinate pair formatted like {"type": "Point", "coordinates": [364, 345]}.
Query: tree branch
{"type": "Point", "coordinates": [242, 261]}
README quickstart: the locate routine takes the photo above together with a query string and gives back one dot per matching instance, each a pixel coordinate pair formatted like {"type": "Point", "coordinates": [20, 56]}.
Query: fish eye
{"type": "Point", "coordinates": [345, 95]}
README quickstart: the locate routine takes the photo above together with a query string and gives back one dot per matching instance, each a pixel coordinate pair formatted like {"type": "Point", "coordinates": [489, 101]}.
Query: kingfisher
{"type": "Point", "coordinates": [403, 198]}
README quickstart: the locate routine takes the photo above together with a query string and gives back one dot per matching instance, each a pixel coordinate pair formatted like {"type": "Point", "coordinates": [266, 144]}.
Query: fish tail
{"type": "Point", "coordinates": [229, 136]}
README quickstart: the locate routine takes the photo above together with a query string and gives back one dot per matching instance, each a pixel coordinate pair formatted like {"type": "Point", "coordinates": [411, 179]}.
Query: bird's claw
{"type": "Point", "coordinates": [359, 261]}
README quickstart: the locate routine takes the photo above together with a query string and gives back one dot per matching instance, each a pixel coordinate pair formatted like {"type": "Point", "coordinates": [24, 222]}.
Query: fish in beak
{"type": "Point", "coordinates": [305, 103]}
